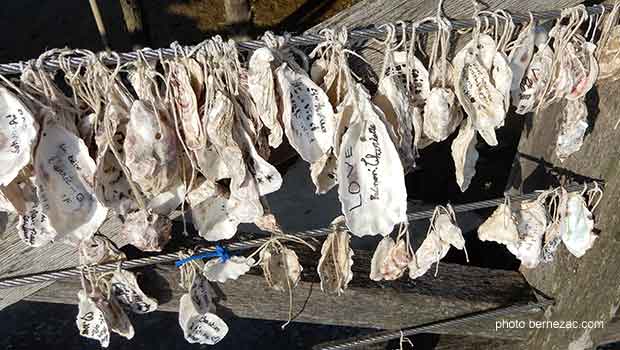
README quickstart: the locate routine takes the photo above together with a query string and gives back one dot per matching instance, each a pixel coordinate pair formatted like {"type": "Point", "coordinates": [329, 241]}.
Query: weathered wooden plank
{"type": "Point", "coordinates": [456, 290]}
{"type": "Point", "coordinates": [586, 289]}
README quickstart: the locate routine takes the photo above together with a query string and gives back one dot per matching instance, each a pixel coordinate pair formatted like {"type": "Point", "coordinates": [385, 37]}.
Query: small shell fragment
{"type": "Point", "coordinates": [148, 232]}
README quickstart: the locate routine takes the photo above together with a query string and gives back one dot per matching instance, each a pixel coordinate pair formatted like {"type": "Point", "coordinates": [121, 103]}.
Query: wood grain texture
{"type": "Point", "coordinates": [457, 290]}
{"type": "Point", "coordinates": [585, 288]}
{"type": "Point", "coordinates": [18, 259]}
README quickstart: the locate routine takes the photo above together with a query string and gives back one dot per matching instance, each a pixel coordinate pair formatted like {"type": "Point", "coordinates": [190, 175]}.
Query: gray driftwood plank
{"type": "Point", "coordinates": [456, 290]}
{"type": "Point", "coordinates": [586, 289]}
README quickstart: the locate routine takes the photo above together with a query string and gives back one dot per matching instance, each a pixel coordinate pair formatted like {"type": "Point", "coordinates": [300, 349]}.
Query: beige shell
{"type": "Point", "coordinates": [281, 268]}
{"type": "Point", "coordinates": [217, 271]}
{"type": "Point", "coordinates": [531, 224]}
{"type": "Point", "coordinates": [465, 155]}
{"type": "Point", "coordinates": [148, 232]}
{"type": "Point", "coordinates": [533, 84]}
{"type": "Point", "coordinates": [501, 73]}
{"type": "Point", "coordinates": [500, 227]}
{"type": "Point", "coordinates": [90, 320]}
{"type": "Point", "coordinates": [186, 105]}
{"type": "Point", "coordinates": [334, 267]}
{"type": "Point", "coordinates": [206, 328]}
{"type": "Point", "coordinates": [18, 136]}
{"type": "Point", "coordinates": [576, 226]}
{"type": "Point", "coordinates": [585, 68]}
{"type": "Point", "coordinates": [125, 289]}
{"type": "Point", "coordinates": [115, 317]}
{"type": "Point", "coordinates": [609, 56]}
{"type": "Point", "coordinates": [64, 175]}
{"type": "Point", "coordinates": [99, 250]}
{"type": "Point", "coordinates": [34, 227]}
{"type": "Point", "coordinates": [370, 174]}
{"type": "Point", "coordinates": [431, 251]}
{"type": "Point", "coordinates": [396, 262]}
{"type": "Point", "coordinates": [573, 128]}
{"type": "Point", "coordinates": [448, 231]}
{"type": "Point", "coordinates": [380, 257]}
{"type": "Point", "coordinates": [442, 114]}
{"type": "Point", "coordinates": [324, 173]}
{"type": "Point", "coordinates": [261, 86]}
{"type": "Point", "coordinates": [520, 57]}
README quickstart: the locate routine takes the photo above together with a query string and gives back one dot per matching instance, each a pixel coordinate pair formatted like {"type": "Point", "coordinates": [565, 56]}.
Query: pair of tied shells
{"type": "Point", "coordinates": [147, 230]}
{"type": "Point", "coordinates": [281, 267]}
{"type": "Point", "coordinates": [576, 225]}
{"type": "Point", "coordinates": [573, 128]}
{"type": "Point", "coordinates": [262, 88]}
{"type": "Point", "coordinates": [334, 267]}
{"type": "Point", "coordinates": [531, 225]}
{"type": "Point", "coordinates": [65, 176]}
{"type": "Point", "coordinates": [464, 154]}
{"type": "Point", "coordinates": [392, 99]}
{"type": "Point", "coordinates": [200, 327]}
{"type": "Point", "coordinates": [307, 114]}
{"type": "Point", "coordinates": [500, 227]}
{"type": "Point", "coordinates": [481, 87]}
{"type": "Point", "coordinates": [217, 271]}
{"type": "Point", "coordinates": [18, 135]}
{"type": "Point", "coordinates": [390, 259]}
{"type": "Point", "coordinates": [444, 233]}
{"type": "Point", "coordinates": [150, 148]}
{"type": "Point", "coordinates": [125, 289]}
{"type": "Point", "coordinates": [370, 174]}
{"type": "Point", "coordinates": [98, 316]}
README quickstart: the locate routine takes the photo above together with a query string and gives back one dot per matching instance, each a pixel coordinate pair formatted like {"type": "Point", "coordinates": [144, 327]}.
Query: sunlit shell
{"type": "Point", "coordinates": [281, 268]}
{"type": "Point", "coordinates": [420, 140]}
{"type": "Point", "coordinates": [99, 250]}
{"type": "Point", "coordinates": [217, 271]}
{"type": "Point", "coordinates": [465, 155]}
{"type": "Point", "coordinates": [261, 86]}
{"type": "Point", "coordinates": [536, 78]}
{"type": "Point", "coordinates": [306, 113]}
{"type": "Point", "coordinates": [499, 227]}
{"type": "Point", "coordinates": [370, 174]}
{"type": "Point", "coordinates": [609, 56]}
{"type": "Point", "coordinates": [18, 135]}
{"type": "Point", "coordinates": [90, 320]}
{"type": "Point", "coordinates": [206, 328]}
{"type": "Point", "coordinates": [421, 79]}
{"type": "Point", "coordinates": [125, 289]}
{"type": "Point", "coordinates": [480, 99]}
{"type": "Point", "coordinates": [33, 227]}
{"type": "Point", "coordinates": [520, 56]}
{"type": "Point", "coordinates": [531, 224]}
{"type": "Point", "coordinates": [431, 251]}
{"type": "Point", "coordinates": [334, 267]}
{"type": "Point", "coordinates": [115, 317]}
{"type": "Point", "coordinates": [64, 175]}
{"type": "Point", "coordinates": [442, 114]}
{"type": "Point", "coordinates": [586, 72]}
{"type": "Point", "coordinates": [168, 200]}
{"type": "Point", "coordinates": [487, 49]}
{"type": "Point", "coordinates": [573, 128]}
{"type": "Point", "coordinates": [379, 258]}
{"type": "Point", "coordinates": [448, 231]}
{"type": "Point", "coordinates": [501, 74]}
{"type": "Point", "coordinates": [576, 226]}
{"type": "Point", "coordinates": [150, 148]}
{"type": "Point", "coordinates": [396, 262]}
{"type": "Point", "coordinates": [148, 232]}
{"type": "Point", "coordinates": [186, 106]}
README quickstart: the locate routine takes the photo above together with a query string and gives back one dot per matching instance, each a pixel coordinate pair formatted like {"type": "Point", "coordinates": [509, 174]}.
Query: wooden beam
{"type": "Point", "coordinates": [132, 15]}
{"type": "Point", "coordinates": [457, 290]}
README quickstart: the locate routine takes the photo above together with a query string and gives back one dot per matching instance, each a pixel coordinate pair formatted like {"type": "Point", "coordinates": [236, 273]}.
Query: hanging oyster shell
{"type": "Point", "coordinates": [370, 173]}
{"type": "Point", "coordinates": [150, 148]}
{"type": "Point", "coordinates": [576, 226]}
{"type": "Point", "coordinates": [146, 231]}
{"type": "Point", "coordinates": [18, 135]}
{"type": "Point", "coordinates": [573, 128]}
{"type": "Point", "coordinates": [500, 227]}
{"type": "Point", "coordinates": [334, 267]}
{"type": "Point", "coordinates": [502, 77]}
{"type": "Point", "coordinates": [324, 173]}
{"type": "Point", "coordinates": [64, 174]}
{"type": "Point", "coordinates": [213, 215]}
{"type": "Point", "coordinates": [531, 225]}
{"type": "Point", "coordinates": [206, 328]}
{"type": "Point", "coordinates": [90, 320]}
{"type": "Point", "coordinates": [281, 267]}
{"type": "Point", "coordinates": [536, 79]}
{"type": "Point", "coordinates": [480, 99]}
{"type": "Point", "coordinates": [115, 317]}
{"type": "Point", "coordinates": [379, 258]}
{"type": "Point", "coordinates": [306, 113]}
{"type": "Point", "coordinates": [431, 251]}
{"type": "Point", "coordinates": [442, 114]}
{"type": "Point", "coordinates": [33, 227]}
{"type": "Point", "coordinates": [396, 262]}
{"type": "Point", "coordinates": [520, 57]}
{"type": "Point", "coordinates": [447, 230]}
{"type": "Point", "coordinates": [465, 155]}
{"type": "Point", "coordinates": [99, 250]}
{"type": "Point", "coordinates": [217, 271]}
{"type": "Point", "coordinates": [584, 68]}
{"type": "Point", "coordinates": [200, 292]}
{"type": "Point", "coordinates": [125, 289]}
{"type": "Point", "coordinates": [186, 105]}
{"type": "Point", "coordinates": [609, 56]}
{"type": "Point", "coordinates": [261, 86]}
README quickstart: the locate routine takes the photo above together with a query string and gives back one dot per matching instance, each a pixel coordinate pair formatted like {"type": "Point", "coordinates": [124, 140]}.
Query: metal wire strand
{"type": "Point", "coordinates": [308, 39]}
{"type": "Point", "coordinates": [47, 276]}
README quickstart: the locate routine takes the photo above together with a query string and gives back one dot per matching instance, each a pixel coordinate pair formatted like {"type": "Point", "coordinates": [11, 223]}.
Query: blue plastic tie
{"type": "Point", "coordinates": [220, 252]}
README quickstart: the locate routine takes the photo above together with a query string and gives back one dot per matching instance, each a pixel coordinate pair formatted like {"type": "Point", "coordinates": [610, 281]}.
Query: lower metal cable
{"type": "Point", "coordinates": [47, 276]}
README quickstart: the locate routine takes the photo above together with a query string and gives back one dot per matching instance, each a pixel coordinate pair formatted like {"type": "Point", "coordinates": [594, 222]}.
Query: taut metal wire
{"type": "Point", "coordinates": [47, 276]}
{"type": "Point", "coordinates": [356, 36]}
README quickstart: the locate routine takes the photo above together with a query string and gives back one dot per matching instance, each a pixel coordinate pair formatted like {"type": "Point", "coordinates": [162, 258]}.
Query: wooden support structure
{"type": "Point", "coordinates": [134, 22]}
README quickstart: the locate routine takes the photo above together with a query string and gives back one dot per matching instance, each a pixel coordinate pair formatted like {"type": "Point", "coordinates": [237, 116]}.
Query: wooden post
{"type": "Point", "coordinates": [238, 17]}
{"type": "Point", "coordinates": [99, 21]}
{"type": "Point", "coordinates": [132, 14]}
